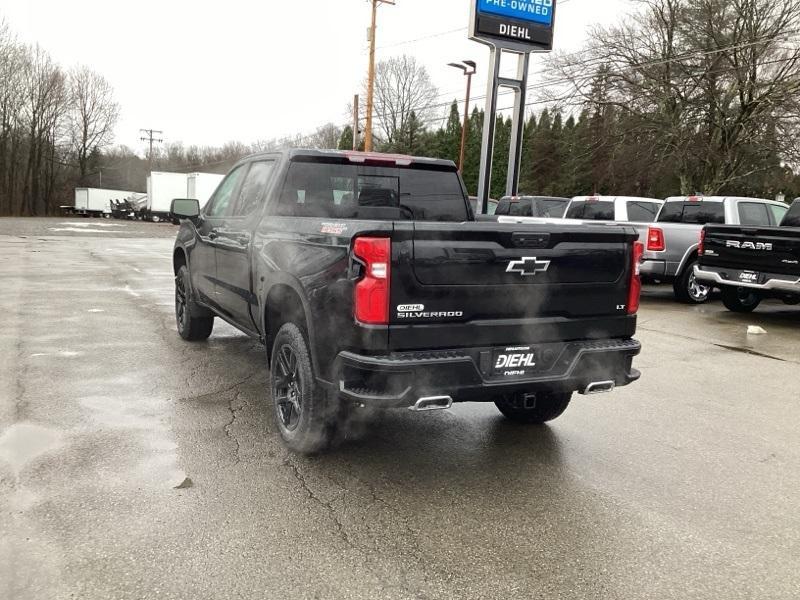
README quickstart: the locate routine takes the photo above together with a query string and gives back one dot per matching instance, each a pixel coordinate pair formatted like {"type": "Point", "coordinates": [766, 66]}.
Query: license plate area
{"type": "Point", "coordinates": [523, 362]}
{"type": "Point", "coordinates": [749, 277]}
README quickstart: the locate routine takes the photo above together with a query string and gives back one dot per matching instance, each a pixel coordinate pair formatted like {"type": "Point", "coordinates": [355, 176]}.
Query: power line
{"type": "Point", "coordinates": [437, 35]}
{"type": "Point", "coordinates": [150, 136]}
{"type": "Point", "coordinates": [600, 60]}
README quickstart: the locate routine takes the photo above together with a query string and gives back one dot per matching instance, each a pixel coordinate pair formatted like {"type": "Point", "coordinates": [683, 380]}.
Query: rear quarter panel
{"type": "Point", "coordinates": [312, 257]}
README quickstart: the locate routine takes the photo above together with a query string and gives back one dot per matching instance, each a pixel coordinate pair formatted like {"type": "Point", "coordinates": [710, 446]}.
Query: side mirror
{"type": "Point", "coordinates": [184, 208]}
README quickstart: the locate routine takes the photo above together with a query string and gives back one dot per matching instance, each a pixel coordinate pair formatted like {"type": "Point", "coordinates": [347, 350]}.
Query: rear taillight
{"type": "Point", "coordinates": [371, 297]}
{"type": "Point", "coordinates": [635, 289]}
{"type": "Point", "coordinates": [701, 248]}
{"type": "Point", "coordinates": [655, 240]}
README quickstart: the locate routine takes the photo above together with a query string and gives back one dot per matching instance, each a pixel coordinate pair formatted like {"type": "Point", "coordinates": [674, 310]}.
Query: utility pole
{"type": "Point", "coordinates": [371, 72]}
{"type": "Point", "coordinates": [355, 122]}
{"type": "Point", "coordinates": [150, 136]}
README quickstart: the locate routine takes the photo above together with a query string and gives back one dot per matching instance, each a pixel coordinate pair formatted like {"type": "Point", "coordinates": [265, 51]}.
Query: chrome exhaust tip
{"type": "Point", "coordinates": [432, 403]}
{"type": "Point", "coordinates": [599, 387]}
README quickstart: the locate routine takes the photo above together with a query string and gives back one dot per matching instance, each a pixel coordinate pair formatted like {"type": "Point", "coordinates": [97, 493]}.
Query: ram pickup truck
{"type": "Point", "coordinates": [672, 242]}
{"type": "Point", "coordinates": [750, 264]}
{"type": "Point", "coordinates": [371, 284]}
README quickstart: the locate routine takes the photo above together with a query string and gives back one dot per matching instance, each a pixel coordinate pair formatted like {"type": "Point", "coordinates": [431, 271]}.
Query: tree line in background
{"type": "Point", "coordinates": [54, 124]}
{"type": "Point", "coordinates": [684, 96]}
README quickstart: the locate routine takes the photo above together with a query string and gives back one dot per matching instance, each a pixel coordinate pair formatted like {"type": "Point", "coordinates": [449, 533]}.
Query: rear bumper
{"type": "Point", "coordinates": [398, 380]}
{"type": "Point", "coordinates": [653, 268]}
{"type": "Point", "coordinates": [725, 277]}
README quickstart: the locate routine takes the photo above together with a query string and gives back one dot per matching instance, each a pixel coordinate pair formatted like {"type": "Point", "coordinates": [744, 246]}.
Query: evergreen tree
{"type": "Point", "coordinates": [346, 139]}
{"type": "Point", "coordinates": [472, 158]}
{"type": "Point", "coordinates": [527, 182]}
{"type": "Point", "coordinates": [502, 143]}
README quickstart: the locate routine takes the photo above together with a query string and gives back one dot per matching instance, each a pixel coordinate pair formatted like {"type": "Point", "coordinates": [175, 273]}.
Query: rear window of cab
{"type": "Point", "coordinates": [700, 212]}
{"type": "Point", "coordinates": [591, 210]}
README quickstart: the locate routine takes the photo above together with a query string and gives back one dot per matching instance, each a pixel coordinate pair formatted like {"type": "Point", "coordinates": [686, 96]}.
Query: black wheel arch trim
{"type": "Point", "coordinates": [284, 279]}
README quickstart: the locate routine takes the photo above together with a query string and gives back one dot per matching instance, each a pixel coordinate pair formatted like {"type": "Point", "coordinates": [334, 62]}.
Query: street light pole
{"type": "Point", "coordinates": [468, 67]}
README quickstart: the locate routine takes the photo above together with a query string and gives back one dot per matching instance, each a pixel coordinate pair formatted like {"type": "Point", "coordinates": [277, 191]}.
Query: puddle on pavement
{"type": "Point", "coordinates": [22, 443]}
{"type": "Point", "coordinates": [64, 354]}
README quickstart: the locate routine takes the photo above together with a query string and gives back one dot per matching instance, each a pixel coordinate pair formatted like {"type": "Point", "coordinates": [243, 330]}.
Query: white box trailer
{"type": "Point", "coordinates": [162, 189]}
{"type": "Point", "coordinates": [200, 186]}
{"type": "Point", "coordinates": [96, 201]}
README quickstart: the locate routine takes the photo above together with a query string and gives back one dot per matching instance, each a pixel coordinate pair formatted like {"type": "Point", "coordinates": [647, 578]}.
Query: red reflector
{"type": "Point", "coordinates": [635, 289]}
{"type": "Point", "coordinates": [371, 295]}
{"type": "Point", "coordinates": [695, 198]}
{"type": "Point", "coordinates": [592, 200]}
{"type": "Point", "coordinates": [655, 240]}
{"type": "Point", "coordinates": [701, 248]}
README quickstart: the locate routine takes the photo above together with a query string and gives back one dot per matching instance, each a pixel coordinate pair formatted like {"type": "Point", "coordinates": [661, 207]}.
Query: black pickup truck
{"type": "Point", "coordinates": [750, 264]}
{"type": "Point", "coordinates": [371, 284]}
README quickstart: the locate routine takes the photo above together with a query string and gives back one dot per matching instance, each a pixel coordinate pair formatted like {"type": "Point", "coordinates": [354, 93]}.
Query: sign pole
{"type": "Point", "coordinates": [518, 27]}
{"type": "Point", "coordinates": [518, 125]}
{"type": "Point", "coordinates": [489, 122]}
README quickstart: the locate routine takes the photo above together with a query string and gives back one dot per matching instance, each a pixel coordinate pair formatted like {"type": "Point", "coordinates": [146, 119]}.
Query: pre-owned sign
{"type": "Point", "coordinates": [523, 25]}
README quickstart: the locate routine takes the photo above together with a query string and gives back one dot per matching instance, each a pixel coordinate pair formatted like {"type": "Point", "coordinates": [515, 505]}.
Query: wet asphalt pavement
{"type": "Point", "coordinates": [134, 465]}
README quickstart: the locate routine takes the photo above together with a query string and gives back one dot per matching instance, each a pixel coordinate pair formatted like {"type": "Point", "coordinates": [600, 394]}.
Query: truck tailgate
{"type": "Point", "coordinates": [481, 283]}
{"type": "Point", "coordinates": [773, 250]}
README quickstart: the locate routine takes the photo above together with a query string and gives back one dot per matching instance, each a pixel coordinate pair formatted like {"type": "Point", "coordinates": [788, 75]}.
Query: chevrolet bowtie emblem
{"type": "Point", "coordinates": [528, 267]}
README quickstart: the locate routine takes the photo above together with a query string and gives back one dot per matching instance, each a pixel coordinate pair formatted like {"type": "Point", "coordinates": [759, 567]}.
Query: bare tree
{"type": "Point", "coordinates": [402, 87]}
{"type": "Point", "coordinates": [93, 115]}
{"type": "Point", "coordinates": [12, 65]}
{"type": "Point", "coordinates": [713, 83]}
{"type": "Point", "coordinates": [326, 137]}
{"type": "Point", "coordinates": [45, 104]}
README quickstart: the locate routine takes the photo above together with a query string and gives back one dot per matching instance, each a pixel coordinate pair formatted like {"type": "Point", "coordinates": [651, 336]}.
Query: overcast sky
{"type": "Point", "coordinates": [210, 72]}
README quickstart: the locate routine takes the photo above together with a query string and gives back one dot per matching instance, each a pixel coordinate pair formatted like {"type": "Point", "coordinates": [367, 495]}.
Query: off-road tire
{"type": "Point", "coordinates": [304, 412]}
{"type": "Point", "coordinates": [194, 325]}
{"type": "Point", "coordinates": [538, 408]}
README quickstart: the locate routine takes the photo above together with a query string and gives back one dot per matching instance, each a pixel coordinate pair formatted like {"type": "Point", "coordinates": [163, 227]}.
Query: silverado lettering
{"type": "Point", "coordinates": [429, 315]}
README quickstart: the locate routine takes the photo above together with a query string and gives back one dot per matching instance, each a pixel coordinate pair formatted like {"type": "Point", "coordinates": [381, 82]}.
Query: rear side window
{"type": "Point", "coordinates": [792, 218]}
{"type": "Point", "coordinates": [754, 213]}
{"type": "Point", "coordinates": [350, 191]}
{"type": "Point", "coordinates": [697, 213]}
{"type": "Point", "coordinates": [602, 210]}
{"type": "Point", "coordinates": [644, 212]}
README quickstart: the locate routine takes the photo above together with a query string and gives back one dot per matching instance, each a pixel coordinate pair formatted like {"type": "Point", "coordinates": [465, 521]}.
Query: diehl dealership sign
{"type": "Point", "coordinates": [522, 25]}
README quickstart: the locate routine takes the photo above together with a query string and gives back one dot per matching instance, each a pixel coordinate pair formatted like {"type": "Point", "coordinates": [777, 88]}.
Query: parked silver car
{"type": "Point", "coordinates": [671, 243]}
